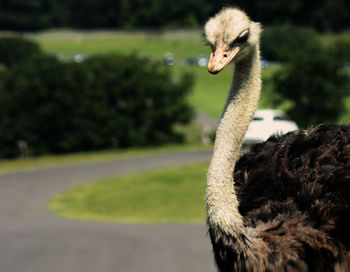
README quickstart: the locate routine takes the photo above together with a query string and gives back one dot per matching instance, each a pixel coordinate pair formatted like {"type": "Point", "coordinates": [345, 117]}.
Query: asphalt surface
{"type": "Point", "coordinates": [34, 240]}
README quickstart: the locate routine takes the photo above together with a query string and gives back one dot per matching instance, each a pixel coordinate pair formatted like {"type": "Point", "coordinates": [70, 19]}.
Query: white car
{"type": "Point", "coordinates": [266, 123]}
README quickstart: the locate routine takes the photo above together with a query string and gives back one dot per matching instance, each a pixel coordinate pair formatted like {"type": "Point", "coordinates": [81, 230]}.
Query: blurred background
{"type": "Point", "coordinates": [91, 75]}
{"type": "Point", "coordinates": [92, 90]}
{"type": "Point", "coordinates": [84, 81]}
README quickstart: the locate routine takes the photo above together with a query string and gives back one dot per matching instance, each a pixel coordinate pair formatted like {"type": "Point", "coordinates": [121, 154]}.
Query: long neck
{"type": "Point", "coordinates": [242, 101]}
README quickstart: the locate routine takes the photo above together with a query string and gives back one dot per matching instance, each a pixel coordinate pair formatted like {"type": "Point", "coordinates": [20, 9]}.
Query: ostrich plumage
{"type": "Point", "coordinates": [284, 205]}
{"type": "Point", "coordinates": [296, 189]}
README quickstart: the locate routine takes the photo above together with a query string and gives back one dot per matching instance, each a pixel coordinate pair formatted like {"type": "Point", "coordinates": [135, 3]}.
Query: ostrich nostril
{"type": "Point", "coordinates": [225, 55]}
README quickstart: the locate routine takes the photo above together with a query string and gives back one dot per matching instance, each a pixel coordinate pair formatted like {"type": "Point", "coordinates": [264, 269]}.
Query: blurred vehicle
{"type": "Point", "coordinates": [202, 61]}
{"type": "Point", "coordinates": [265, 63]}
{"type": "Point", "coordinates": [347, 69]}
{"type": "Point", "coordinates": [78, 58]}
{"type": "Point", "coordinates": [266, 123]}
{"type": "Point", "coordinates": [169, 58]}
{"type": "Point", "coordinates": [191, 61]}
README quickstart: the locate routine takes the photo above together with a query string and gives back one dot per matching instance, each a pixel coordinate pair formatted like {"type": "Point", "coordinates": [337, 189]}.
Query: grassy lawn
{"type": "Point", "coordinates": [83, 157]}
{"type": "Point", "coordinates": [182, 44]}
{"type": "Point", "coordinates": [163, 196]}
{"type": "Point", "coordinates": [210, 91]}
{"type": "Point", "coordinates": [330, 38]}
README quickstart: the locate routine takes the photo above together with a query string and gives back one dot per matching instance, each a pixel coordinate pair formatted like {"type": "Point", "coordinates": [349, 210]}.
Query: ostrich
{"type": "Point", "coordinates": [283, 206]}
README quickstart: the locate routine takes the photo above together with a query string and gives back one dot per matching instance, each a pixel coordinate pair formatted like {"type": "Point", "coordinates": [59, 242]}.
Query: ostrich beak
{"type": "Point", "coordinates": [220, 58]}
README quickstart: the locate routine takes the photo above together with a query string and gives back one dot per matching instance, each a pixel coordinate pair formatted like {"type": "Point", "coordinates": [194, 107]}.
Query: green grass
{"type": "Point", "coordinates": [7, 166]}
{"type": "Point", "coordinates": [331, 38]}
{"type": "Point", "coordinates": [210, 92]}
{"type": "Point", "coordinates": [163, 196]}
{"type": "Point", "coordinates": [182, 44]}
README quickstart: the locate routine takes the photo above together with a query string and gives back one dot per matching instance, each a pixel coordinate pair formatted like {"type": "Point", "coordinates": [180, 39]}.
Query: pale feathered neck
{"type": "Point", "coordinates": [242, 101]}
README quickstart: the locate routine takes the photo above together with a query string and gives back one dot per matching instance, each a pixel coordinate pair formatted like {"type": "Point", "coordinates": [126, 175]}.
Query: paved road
{"type": "Point", "coordinates": [34, 240]}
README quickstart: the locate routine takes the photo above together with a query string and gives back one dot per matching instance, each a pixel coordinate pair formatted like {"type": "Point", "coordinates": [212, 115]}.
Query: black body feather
{"type": "Point", "coordinates": [295, 190]}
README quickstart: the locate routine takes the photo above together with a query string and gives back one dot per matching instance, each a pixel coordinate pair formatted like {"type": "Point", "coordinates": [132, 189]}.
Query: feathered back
{"type": "Point", "coordinates": [300, 177]}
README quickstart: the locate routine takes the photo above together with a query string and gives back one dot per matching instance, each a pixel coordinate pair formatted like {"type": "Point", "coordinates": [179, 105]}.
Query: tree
{"type": "Point", "coordinates": [314, 83]}
{"type": "Point", "coordinates": [40, 14]}
{"type": "Point", "coordinates": [14, 50]}
{"type": "Point", "coordinates": [104, 102]}
{"type": "Point", "coordinates": [282, 42]}
{"type": "Point", "coordinates": [25, 15]}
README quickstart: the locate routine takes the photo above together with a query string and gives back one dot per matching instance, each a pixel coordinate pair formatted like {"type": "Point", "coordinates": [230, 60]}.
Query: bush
{"type": "Point", "coordinates": [315, 83]}
{"type": "Point", "coordinates": [14, 50]}
{"type": "Point", "coordinates": [104, 102]}
{"type": "Point", "coordinates": [279, 42]}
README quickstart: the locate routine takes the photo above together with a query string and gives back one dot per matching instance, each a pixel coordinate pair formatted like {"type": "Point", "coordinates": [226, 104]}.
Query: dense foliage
{"type": "Point", "coordinates": [15, 50]}
{"type": "Point", "coordinates": [313, 82]}
{"type": "Point", "coordinates": [40, 14]}
{"type": "Point", "coordinates": [280, 41]}
{"type": "Point", "coordinates": [103, 102]}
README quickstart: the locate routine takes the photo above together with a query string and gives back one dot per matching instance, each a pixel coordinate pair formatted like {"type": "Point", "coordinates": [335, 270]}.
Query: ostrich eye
{"type": "Point", "coordinates": [242, 38]}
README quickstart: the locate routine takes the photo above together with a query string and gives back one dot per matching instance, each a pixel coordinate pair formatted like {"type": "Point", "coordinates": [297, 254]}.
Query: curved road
{"type": "Point", "coordinates": [34, 240]}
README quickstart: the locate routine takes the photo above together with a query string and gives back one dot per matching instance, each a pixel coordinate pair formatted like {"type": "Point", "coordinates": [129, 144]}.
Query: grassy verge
{"type": "Point", "coordinates": [331, 38]}
{"type": "Point", "coordinates": [210, 91]}
{"type": "Point", "coordinates": [162, 196]}
{"type": "Point", "coordinates": [83, 157]}
{"type": "Point", "coordinates": [182, 44]}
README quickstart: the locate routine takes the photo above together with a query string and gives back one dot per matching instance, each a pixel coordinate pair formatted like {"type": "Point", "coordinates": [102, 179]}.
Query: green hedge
{"type": "Point", "coordinates": [103, 102]}
{"type": "Point", "coordinates": [313, 83]}
{"type": "Point", "coordinates": [279, 42]}
{"type": "Point", "coordinates": [14, 50]}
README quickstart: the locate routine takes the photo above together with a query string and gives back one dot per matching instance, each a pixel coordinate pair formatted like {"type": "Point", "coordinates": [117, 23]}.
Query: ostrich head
{"type": "Point", "coordinates": [232, 35]}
